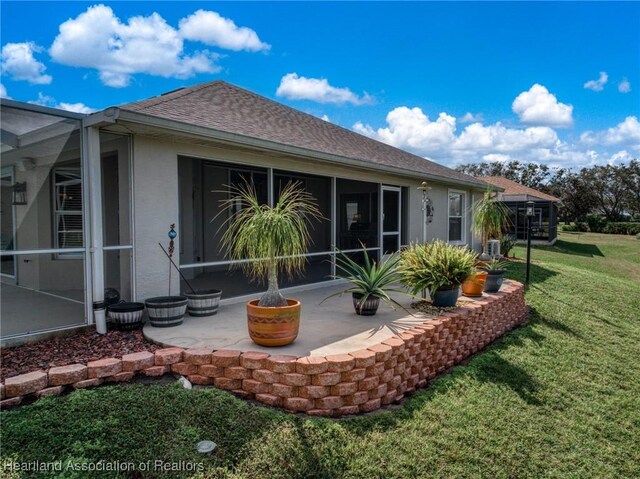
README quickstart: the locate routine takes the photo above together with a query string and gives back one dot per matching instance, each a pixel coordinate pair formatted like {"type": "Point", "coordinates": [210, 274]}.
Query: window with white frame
{"type": "Point", "coordinates": [456, 216]}
{"type": "Point", "coordinates": [67, 208]}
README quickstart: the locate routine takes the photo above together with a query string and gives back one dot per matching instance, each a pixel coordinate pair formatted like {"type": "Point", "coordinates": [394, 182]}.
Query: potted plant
{"type": "Point", "coordinates": [437, 267]}
{"type": "Point", "coordinates": [369, 282]}
{"type": "Point", "coordinates": [126, 316]}
{"type": "Point", "coordinates": [274, 239]}
{"type": "Point", "coordinates": [507, 243]}
{"type": "Point", "coordinates": [473, 286]}
{"type": "Point", "coordinates": [495, 271]}
{"type": "Point", "coordinates": [490, 218]}
{"type": "Point", "coordinates": [200, 302]}
{"type": "Point", "coordinates": [166, 311]}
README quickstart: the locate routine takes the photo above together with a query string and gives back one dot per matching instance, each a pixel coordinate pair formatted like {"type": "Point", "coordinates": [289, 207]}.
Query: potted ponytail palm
{"type": "Point", "coordinates": [490, 218]}
{"type": "Point", "coordinates": [274, 239]}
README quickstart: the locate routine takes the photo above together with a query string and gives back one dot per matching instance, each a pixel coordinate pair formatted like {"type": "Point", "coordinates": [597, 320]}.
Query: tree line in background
{"type": "Point", "coordinates": [610, 191]}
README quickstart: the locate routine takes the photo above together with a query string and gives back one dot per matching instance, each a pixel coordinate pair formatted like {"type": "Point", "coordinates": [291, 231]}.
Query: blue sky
{"type": "Point", "coordinates": [557, 83]}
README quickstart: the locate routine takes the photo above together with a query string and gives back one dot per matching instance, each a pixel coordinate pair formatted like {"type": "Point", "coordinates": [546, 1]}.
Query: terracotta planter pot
{"type": "Point", "coordinates": [473, 286]}
{"type": "Point", "coordinates": [273, 326]}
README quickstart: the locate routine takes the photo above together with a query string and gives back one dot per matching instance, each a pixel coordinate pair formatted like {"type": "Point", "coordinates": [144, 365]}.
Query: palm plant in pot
{"type": "Point", "coordinates": [274, 239]}
{"type": "Point", "coordinates": [495, 272]}
{"type": "Point", "coordinates": [437, 267]}
{"type": "Point", "coordinates": [490, 218]}
{"type": "Point", "coordinates": [369, 282]}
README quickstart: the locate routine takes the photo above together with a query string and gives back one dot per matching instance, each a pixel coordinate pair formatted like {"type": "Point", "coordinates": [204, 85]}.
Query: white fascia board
{"type": "Point", "coordinates": [241, 140]}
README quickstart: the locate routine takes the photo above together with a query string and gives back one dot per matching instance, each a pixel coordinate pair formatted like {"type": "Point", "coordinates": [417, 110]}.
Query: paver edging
{"type": "Point", "coordinates": [359, 382]}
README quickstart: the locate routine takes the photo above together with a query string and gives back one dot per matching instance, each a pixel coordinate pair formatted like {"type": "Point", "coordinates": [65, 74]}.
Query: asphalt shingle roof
{"type": "Point", "coordinates": [511, 188]}
{"type": "Point", "coordinates": [224, 107]}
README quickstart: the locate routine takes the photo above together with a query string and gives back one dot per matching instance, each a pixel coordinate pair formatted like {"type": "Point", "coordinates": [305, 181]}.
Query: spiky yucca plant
{"type": "Point", "coordinates": [490, 218]}
{"type": "Point", "coordinates": [433, 266]}
{"type": "Point", "coordinates": [273, 238]}
{"type": "Point", "coordinates": [372, 279]}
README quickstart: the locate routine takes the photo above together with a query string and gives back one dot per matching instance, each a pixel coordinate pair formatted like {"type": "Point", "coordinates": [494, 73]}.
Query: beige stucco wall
{"type": "Point", "coordinates": [156, 201]}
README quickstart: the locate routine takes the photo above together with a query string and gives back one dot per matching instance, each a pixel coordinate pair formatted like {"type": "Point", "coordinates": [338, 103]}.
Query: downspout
{"type": "Point", "coordinates": [95, 215]}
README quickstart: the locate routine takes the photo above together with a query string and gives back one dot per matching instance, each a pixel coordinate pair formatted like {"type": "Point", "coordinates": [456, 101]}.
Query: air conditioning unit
{"type": "Point", "coordinates": [493, 248]}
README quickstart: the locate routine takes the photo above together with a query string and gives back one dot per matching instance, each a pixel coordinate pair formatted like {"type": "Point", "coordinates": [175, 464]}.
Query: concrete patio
{"type": "Point", "coordinates": [328, 328]}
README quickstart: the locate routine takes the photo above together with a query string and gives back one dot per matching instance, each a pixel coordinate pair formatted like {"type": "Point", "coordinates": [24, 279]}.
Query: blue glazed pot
{"type": "Point", "coordinates": [494, 281]}
{"type": "Point", "coordinates": [446, 298]}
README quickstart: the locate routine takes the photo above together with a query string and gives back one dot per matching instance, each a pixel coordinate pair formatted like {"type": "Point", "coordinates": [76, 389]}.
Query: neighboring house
{"type": "Point", "coordinates": [86, 199]}
{"type": "Point", "coordinates": [544, 226]}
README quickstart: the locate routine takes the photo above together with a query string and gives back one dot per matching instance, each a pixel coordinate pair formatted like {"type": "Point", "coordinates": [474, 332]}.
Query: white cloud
{"type": "Point", "coordinates": [75, 107]}
{"type": "Point", "coordinates": [45, 100]}
{"type": "Point", "coordinates": [624, 86]}
{"type": "Point", "coordinates": [621, 156]}
{"type": "Point", "coordinates": [497, 157]}
{"type": "Point", "coordinates": [439, 140]}
{"type": "Point", "coordinates": [469, 117]}
{"type": "Point", "coordinates": [3, 92]}
{"type": "Point", "coordinates": [296, 87]}
{"type": "Point", "coordinates": [626, 132]}
{"type": "Point", "coordinates": [212, 29]}
{"type": "Point", "coordinates": [325, 118]}
{"type": "Point", "coordinates": [98, 39]}
{"type": "Point", "coordinates": [411, 129]}
{"type": "Point", "coordinates": [18, 62]}
{"type": "Point", "coordinates": [500, 139]}
{"type": "Point", "coordinates": [539, 107]}
{"type": "Point", "coordinates": [597, 85]}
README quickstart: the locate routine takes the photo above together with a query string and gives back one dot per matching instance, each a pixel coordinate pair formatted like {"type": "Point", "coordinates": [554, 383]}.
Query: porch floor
{"type": "Point", "coordinates": [328, 328]}
{"type": "Point", "coordinates": [26, 310]}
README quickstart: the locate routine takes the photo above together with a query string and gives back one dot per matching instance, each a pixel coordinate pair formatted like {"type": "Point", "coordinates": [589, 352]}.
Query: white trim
{"type": "Point", "coordinates": [117, 115]}
{"type": "Point", "coordinates": [333, 225]}
{"type": "Point", "coordinates": [117, 247]}
{"type": "Point", "coordinates": [463, 213]}
{"type": "Point", "coordinates": [9, 171]}
{"type": "Point", "coordinates": [383, 233]}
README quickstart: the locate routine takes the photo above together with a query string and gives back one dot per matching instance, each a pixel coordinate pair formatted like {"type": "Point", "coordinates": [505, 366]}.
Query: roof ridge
{"type": "Point", "coordinates": [174, 94]}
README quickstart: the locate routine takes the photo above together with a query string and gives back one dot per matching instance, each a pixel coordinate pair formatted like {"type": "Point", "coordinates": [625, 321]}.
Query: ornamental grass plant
{"type": "Point", "coordinates": [434, 266]}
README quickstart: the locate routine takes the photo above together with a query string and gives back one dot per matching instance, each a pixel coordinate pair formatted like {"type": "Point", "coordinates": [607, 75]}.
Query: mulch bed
{"type": "Point", "coordinates": [77, 348]}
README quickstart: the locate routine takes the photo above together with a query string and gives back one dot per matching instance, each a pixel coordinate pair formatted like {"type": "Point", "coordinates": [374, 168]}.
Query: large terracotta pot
{"type": "Point", "coordinates": [273, 326]}
{"type": "Point", "coordinates": [473, 286]}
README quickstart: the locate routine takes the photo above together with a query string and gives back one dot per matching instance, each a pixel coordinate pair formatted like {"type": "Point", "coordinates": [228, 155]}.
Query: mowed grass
{"type": "Point", "coordinates": [559, 397]}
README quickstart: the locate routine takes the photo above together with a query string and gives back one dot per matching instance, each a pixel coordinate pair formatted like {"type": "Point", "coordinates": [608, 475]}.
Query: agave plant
{"type": "Point", "coordinates": [435, 266]}
{"type": "Point", "coordinates": [495, 265]}
{"type": "Point", "coordinates": [490, 218]}
{"type": "Point", "coordinates": [369, 280]}
{"type": "Point", "coordinates": [274, 238]}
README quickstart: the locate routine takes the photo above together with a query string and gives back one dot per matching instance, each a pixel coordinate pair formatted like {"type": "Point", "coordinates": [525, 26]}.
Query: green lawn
{"type": "Point", "coordinates": [559, 397]}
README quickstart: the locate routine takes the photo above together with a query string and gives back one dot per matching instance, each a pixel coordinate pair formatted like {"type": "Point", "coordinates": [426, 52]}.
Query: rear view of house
{"type": "Point", "coordinates": [86, 199]}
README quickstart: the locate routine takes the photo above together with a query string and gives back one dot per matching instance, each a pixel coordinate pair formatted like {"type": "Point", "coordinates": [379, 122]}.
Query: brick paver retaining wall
{"type": "Point", "coordinates": [361, 381]}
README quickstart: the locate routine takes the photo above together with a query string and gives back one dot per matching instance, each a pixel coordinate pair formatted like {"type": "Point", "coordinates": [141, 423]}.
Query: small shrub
{"type": "Point", "coordinates": [596, 223]}
{"type": "Point", "coordinates": [506, 244]}
{"type": "Point", "coordinates": [434, 266]}
{"type": "Point", "coordinates": [622, 228]}
{"type": "Point", "coordinates": [576, 227]}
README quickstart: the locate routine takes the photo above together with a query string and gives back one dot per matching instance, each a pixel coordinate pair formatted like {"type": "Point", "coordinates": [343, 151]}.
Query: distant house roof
{"type": "Point", "coordinates": [515, 191]}
{"type": "Point", "coordinates": [227, 108]}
